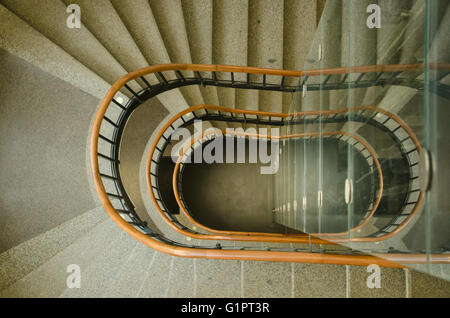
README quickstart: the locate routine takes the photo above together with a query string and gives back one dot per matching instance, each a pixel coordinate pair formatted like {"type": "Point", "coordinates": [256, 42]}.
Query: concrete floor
{"type": "Point", "coordinates": [44, 126]}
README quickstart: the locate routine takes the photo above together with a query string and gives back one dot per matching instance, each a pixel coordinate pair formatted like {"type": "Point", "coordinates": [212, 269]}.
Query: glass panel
{"type": "Point", "coordinates": [351, 173]}
{"type": "Point", "coordinates": [435, 222]}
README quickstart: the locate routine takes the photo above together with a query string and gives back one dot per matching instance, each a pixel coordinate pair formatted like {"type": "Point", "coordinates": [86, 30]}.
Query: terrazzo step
{"type": "Point", "coordinates": [218, 278]}
{"type": "Point", "coordinates": [230, 38]}
{"type": "Point", "coordinates": [198, 17]}
{"type": "Point", "coordinates": [324, 52]}
{"type": "Point", "coordinates": [49, 279]}
{"type": "Point", "coordinates": [101, 18]}
{"type": "Point", "coordinates": [22, 40]}
{"type": "Point", "coordinates": [298, 15]}
{"type": "Point", "coordinates": [24, 258]}
{"type": "Point", "coordinates": [392, 283]}
{"type": "Point", "coordinates": [156, 282]}
{"type": "Point", "coordinates": [359, 43]}
{"type": "Point", "coordinates": [265, 49]}
{"type": "Point", "coordinates": [104, 267]}
{"type": "Point", "coordinates": [181, 278]}
{"type": "Point", "coordinates": [170, 20]}
{"type": "Point", "coordinates": [128, 281]}
{"type": "Point", "coordinates": [50, 20]}
{"type": "Point", "coordinates": [138, 16]}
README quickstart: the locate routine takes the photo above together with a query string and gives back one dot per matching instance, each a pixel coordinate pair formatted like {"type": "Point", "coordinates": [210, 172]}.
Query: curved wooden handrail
{"type": "Point", "coordinates": [388, 260]}
{"type": "Point", "coordinates": [317, 238]}
{"type": "Point", "coordinates": [195, 222]}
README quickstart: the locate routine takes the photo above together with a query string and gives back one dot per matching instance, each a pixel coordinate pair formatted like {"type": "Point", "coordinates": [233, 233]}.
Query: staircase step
{"type": "Point", "coordinates": [230, 34]}
{"type": "Point", "coordinates": [104, 22]}
{"type": "Point", "coordinates": [265, 46]}
{"type": "Point", "coordinates": [24, 41]}
{"type": "Point", "coordinates": [49, 279]}
{"type": "Point", "coordinates": [181, 278]}
{"type": "Point", "coordinates": [218, 278]}
{"type": "Point", "coordinates": [198, 16]}
{"type": "Point", "coordinates": [80, 43]}
{"type": "Point", "coordinates": [359, 43]}
{"type": "Point", "coordinates": [127, 282]}
{"type": "Point", "coordinates": [138, 16]}
{"type": "Point", "coordinates": [156, 282]}
{"type": "Point", "coordinates": [298, 15]}
{"type": "Point", "coordinates": [393, 283]}
{"type": "Point", "coordinates": [27, 256]}
{"type": "Point", "coordinates": [169, 17]}
{"type": "Point", "coordinates": [103, 268]}
{"type": "Point", "coordinates": [426, 286]}
{"type": "Point", "coordinates": [319, 280]}
{"type": "Point", "coordinates": [266, 279]}
{"type": "Point", "coordinates": [327, 40]}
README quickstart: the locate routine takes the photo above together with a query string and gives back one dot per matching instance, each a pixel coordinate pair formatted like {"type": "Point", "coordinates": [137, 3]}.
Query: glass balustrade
{"type": "Point", "coordinates": [367, 162]}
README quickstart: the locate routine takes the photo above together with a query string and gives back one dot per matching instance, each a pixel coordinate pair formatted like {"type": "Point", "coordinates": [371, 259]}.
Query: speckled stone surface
{"type": "Point", "coordinates": [50, 20]}
{"type": "Point", "coordinates": [427, 286]}
{"type": "Point", "coordinates": [299, 27]}
{"type": "Point", "coordinates": [265, 45]}
{"type": "Point", "coordinates": [198, 18]}
{"type": "Point", "coordinates": [49, 279]}
{"type": "Point", "coordinates": [327, 35]}
{"type": "Point", "coordinates": [218, 278]}
{"type": "Point", "coordinates": [102, 20]}
{"type": "Point", "coordinates": [23, 41]}
{"type": "Point", "coordinates": [318, 280]}
{"type": "Point", "coordinates": [138, 16]}
{"type": "Point", "coordinates": [104, 267]}
{"type": "Point", "coordinates": [393, 283]}
{"type": "Point", "coordinates": [43, 137]}
{"type": "Point", "coordinates": [182, 278]}
{"type": "Point", "coordinates": [230, 36]}
{"type": "Point", "coordinates": [169, 17]}
{"type": "Point", "coordinates": [299, 30]}
{"type": "Point", "coordinates": [128, 280]}
{"type": "Point", "coordinates": [267, 279]}
{"type": "Point", "coordinates": [27, 256]}
{"type": "Point", "coordinates": [156, 282]}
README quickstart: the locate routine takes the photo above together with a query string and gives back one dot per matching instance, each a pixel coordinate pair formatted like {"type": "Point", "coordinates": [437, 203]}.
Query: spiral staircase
{"type": "Point", "coordinates": [93, 185]}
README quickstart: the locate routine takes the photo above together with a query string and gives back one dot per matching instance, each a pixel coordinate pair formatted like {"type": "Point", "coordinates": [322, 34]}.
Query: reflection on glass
{"type": "Point", "coordinates": [378, 98]}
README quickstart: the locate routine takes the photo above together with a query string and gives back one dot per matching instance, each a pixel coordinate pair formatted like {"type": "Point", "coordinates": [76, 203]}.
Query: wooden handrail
{"type": "Point", "coordinates": [195, 222]}
{"type": "Point", "coordinates": [317, 238]}
{"type": "Point", "coordinates": [387, 260]}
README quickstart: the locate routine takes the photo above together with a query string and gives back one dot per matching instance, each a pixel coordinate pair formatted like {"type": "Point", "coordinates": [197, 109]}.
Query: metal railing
{"type": "Point", "coordinates": [403, 137]}
{"type": "Point", "coordinates": [112, 116]}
